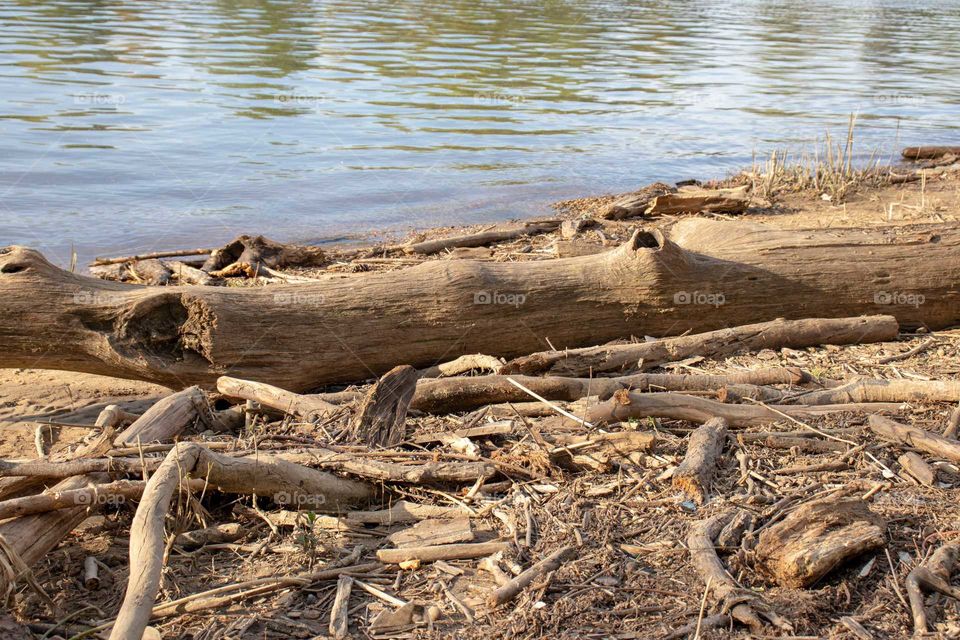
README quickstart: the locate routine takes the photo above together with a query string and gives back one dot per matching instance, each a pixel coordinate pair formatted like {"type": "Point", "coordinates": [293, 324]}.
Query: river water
{"type": "Point", "coordinates": [136, 126]}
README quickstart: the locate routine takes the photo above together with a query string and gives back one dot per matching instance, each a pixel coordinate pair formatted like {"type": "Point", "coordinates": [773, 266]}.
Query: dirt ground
{"type": "Point", "coordinates": [630, 577]}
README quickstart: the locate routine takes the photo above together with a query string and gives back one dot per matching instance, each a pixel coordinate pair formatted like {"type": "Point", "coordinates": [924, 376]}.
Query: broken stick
{"type": "Point", "coordinates": [695, 474]}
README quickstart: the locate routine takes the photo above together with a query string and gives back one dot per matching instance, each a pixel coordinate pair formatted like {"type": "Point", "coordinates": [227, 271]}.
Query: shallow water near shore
{"type": "Point", "coordinates": [128, 126]}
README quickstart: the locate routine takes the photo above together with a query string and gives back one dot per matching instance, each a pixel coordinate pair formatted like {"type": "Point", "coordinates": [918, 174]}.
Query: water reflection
{"type": "Point", "coordinates": [129, 126]}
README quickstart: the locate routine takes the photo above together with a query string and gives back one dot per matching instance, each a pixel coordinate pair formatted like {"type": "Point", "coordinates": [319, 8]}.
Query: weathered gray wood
{"type": "Point", "coordinates": [303, 335]}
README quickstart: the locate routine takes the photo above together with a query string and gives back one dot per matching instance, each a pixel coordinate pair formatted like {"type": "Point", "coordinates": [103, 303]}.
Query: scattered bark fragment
{"type": "Point", "coordinates": [816, 538]}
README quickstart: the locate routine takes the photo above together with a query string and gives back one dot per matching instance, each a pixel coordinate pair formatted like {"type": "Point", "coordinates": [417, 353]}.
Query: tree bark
{"type": "Point", "coordinates": [706, 275]}
{"type": "Point", "coordinates": [817, 538]}
{"type": "Point", "coordinates": [380, 420]}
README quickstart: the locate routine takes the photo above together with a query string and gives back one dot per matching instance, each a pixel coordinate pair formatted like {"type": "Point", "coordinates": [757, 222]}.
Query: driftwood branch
{"type": "Point", "coordinates": [777, 334]}
{"type": "Point", "coordinates": [512, 589]}
{"type": "Point", "coordinates": [284, 481]}
{"type": "Point", "coordinates": [625, 405]}
{"type": "Point", "coordinates": [445, 395]}
{"type": "Point", "coordinates": [934, 576]}
{"type": "Point", "coordinates": [744, 606]}
{"type": "Point", "coordinates": [933, 443]}
{"type": "Point", "coordinates": [695, 474]}
{"type": "Point", "coordinates": [500, 234]}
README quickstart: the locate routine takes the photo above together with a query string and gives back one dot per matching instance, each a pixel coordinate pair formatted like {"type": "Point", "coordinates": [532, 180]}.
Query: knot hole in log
{"type": "Point", "coordinates": [167, 326]}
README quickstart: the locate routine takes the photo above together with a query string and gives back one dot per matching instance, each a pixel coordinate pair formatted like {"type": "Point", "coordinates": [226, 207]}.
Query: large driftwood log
{"type": "Point", "coordinates": [695, 474]}
{"type": "Point", "coordinates": [297, 336]}
{"type": "Point", "coordinates": [793, 334]}
{"type": "Point", "coordinates": [817, 538]}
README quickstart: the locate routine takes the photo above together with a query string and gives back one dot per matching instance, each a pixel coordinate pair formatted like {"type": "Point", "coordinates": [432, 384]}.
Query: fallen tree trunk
{"type": "Point", "coordinates": [298, 336]}
{"type": "Point", "coordinates": [793, 334]}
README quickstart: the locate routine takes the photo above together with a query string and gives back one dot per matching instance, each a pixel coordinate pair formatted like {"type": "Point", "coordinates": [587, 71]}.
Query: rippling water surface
{"type": "Point", "coordinates": [136, 126]}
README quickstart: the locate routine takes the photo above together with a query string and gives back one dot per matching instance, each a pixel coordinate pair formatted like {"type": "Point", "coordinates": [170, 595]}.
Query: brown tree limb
{"type": "Point", "coordinates": [303, 406]}
{"type": "Point", "coordinates": [915, 437]}
{"type": "Point", "coordinates": [744, 606]}
{"type": "Point", "coordinates": [625, 405]}
{"type": "Point", "coordinates": [929, 153]}
{"type": "Point", "coordinates": [285, 482]}
{"type": "Point", "coordinates": [168, 418]}
{"type": "Point", "coordinates": [501, 234]}
{"type": "Point", "coordinates": [933, 575]}
{"type": "Point", "coordinates": [884, 391]}
{"type": "Point", "coordinates": [547, 565]}
{"type": "Point", "coordinates": [695, 474]}
{"type": "Point", "coordinates": [446, 395]}
{"type": "Point", "coordinates": [441, 552]}
{"type": "Point", "coordinates": [777, 334]}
